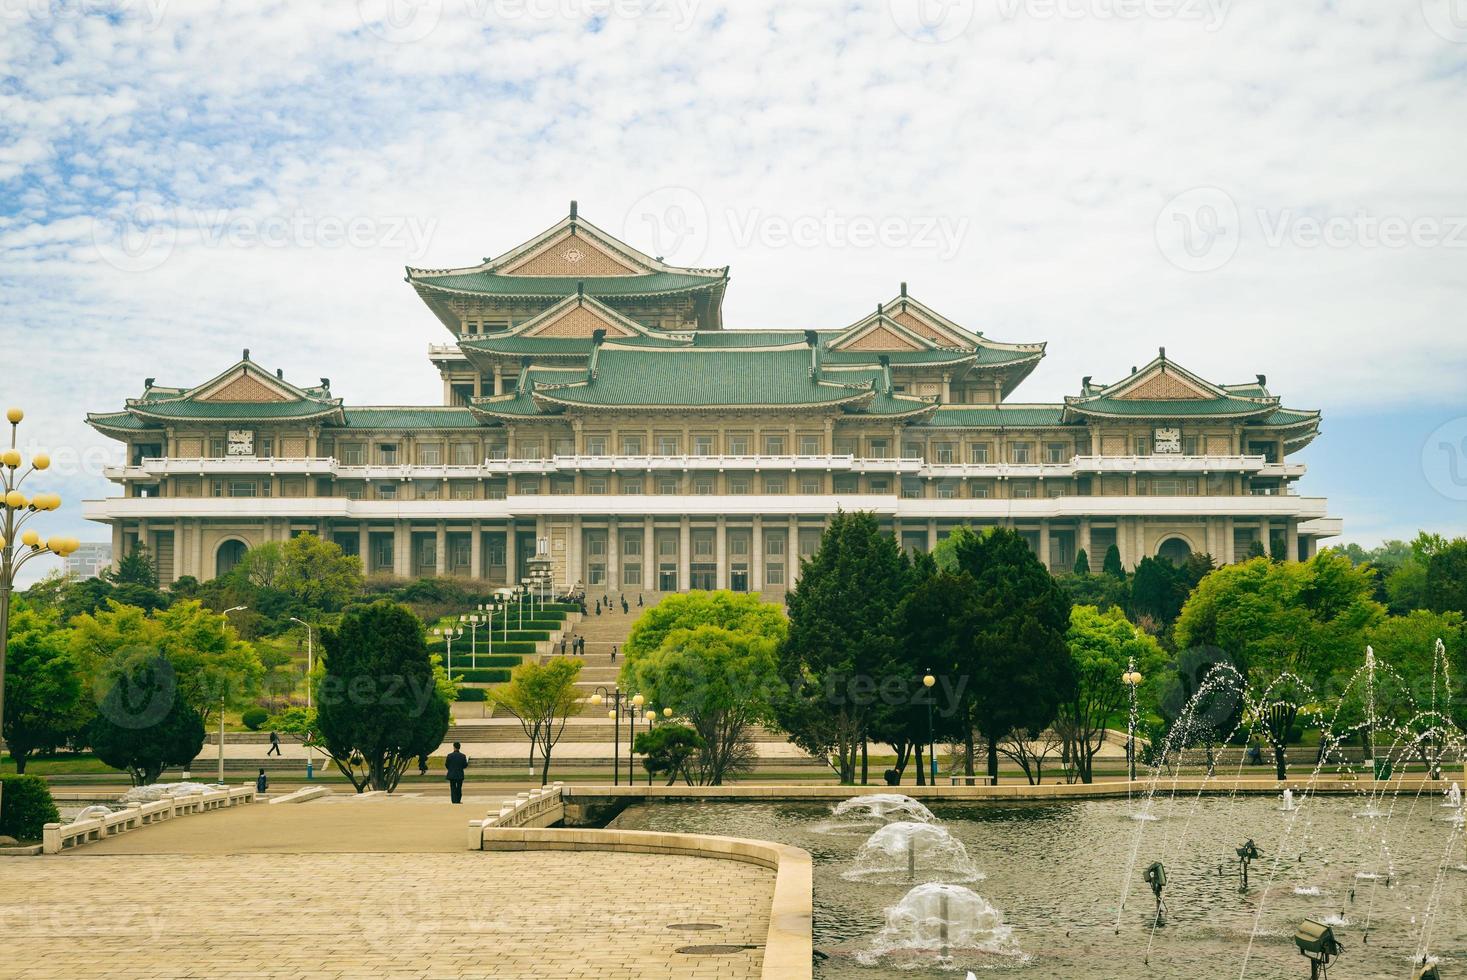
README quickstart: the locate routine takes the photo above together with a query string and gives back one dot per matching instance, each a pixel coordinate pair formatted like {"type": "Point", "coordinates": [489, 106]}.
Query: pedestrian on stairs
{"type": "Point", "coordinates": [639, 600]}
{"type": "Point", "coordinates": [455, 764]}
{"type": "Point", "coordinates": [598, 607]}
{"type": "Point", "coordinates": [562, 646]}
{"type": "Point", "coordinates": [625, 607]}
{"type": "Point", "coordinates": [613, 653]}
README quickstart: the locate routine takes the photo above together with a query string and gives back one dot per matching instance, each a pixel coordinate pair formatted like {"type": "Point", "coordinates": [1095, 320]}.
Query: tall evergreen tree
{"type": "Point", "coordinates": [842, 630]}
{"type": "Point", "coordinates": [1082, 563]}
{"type": "Point", "coordinates": [1019, 666]}
{"type": "Point", "coordinates": [1112, 563]}
{"type": "Point", "coordinates": [1446, 578]}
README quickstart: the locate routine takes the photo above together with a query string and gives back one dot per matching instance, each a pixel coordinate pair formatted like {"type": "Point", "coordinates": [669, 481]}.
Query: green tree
{"type": "Point", "coordinates": [44, 697]}
{"type": "Point", "coordinates": [1111, 565]}
{"type": "Point", "coordinates": [542, 697]}
{"type": "Point", "coordinates": [841, 629]}
{"type": "Point", "coordinates": [142, 725]}
{"type": "Point", "coordinates": [721, 680]}
{"type": "Point", "coordinates": [317, 573]}
{"type": "Point", "coordinates": [1156, 590]}
{"type": "Point", "coordinates": [937, 624]}
{"type": "Point", "coordinates": [1104, 645]}
{"type": "Point", "coordinates": [1282, 620]}
{"type": "Point", "coordinates": [1446, 578]}
{"type": "Point", "coordinates": [669, 749]}
{"type": "Point", "coordinates": [1019, 667]}
{"type": "Point", "coordinates": [134, 568]}
{"type": "Point", "coordinates": [1408, 644]}
{"type": "Point", "coordinates": [1082, 563]}
{"type": "Point", "coordinates": [380, 701]}
{"type": "Point", "coordinates": [261, 566]}
{"type": "Point", "coordinates": [738, 611]}
{"type": "Point", "coordinates": [1255, 549]}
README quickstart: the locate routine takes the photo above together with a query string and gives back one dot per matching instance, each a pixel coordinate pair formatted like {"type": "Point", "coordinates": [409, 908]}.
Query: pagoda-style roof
{"type": "Point", "coordinates": [997, 417]}
{"type": "Point", "coordinates": [572, 256]}
{"type": "Point", "coordinates": [244, 392]}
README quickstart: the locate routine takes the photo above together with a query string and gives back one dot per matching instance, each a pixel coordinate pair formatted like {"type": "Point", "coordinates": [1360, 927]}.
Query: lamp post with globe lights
{"type": "Point", "coordinates": [1132, 679]}
{"type": "Point", "coordinates": [16, 511]}
{"type": "Point", "coordinates": [927, 682]}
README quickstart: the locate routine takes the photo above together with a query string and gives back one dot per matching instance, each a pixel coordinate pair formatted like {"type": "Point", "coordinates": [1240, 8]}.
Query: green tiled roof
{"type": "Point", "coordinates": [573, 346]}
{"type": "Point", "coordinates": [117, 420]}
{"type": "Point", "coordinates": [1171, 408]}
{"type": "Point", "coordinates": [994, 416]}
{"type": "Point", "coordinates": [1288, 416]}
{"type": "Point", "coordinates": [998, 355]}
{"type": "Point", "coordinates": [898, 356]}
{"type": "Point", "coordinates": [186, 409]}
{"type": "Point", "coordinates": [493, 284]}
{"type": "Point", "coordinates": [692, 377]}
{"type": "Point", "coordinates": [388, 417]}
{"type": "Point", "coordinates": [517, 404]}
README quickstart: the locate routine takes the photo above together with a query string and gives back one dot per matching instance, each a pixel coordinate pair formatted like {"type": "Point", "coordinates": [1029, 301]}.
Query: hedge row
{"type": "Point", "coordinates": [25, 807]}
{"type": "Point", "coordinates": [482, 675]}
{"type": "Point", "coordinates": [483, 660]}
{"type": "Point", "coordinates": [472, 694]}
{"type": "Point", "coordinates": [461, 652]}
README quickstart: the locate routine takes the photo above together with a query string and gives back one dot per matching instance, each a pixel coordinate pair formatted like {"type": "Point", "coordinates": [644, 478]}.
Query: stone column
{"type": "Point", "coordinates": [1291, 539]}
{"type": "Point", "coordinates": [931, 534]}
{"type": "Point", "coordinates": [684, 557]}
{"type": "Point", "coordinates": [575, 570]}
{"type": "Point", "coordinates": [792, 554]}
{"type": "Point", "coordinates": [756, 555]}
{"type": "Point", "coordinates": [1044, 544]}
{"type": "Point", "coordinates": [1123, 540]}
{"type": "Point", "coordinates": [402, 550]}
{"type": "Point", "coordinates": [476, 550]}
{"type": "Point", "coordinates": [649, 555]}
{"type": "Point", "coordinates": [440, 549]}
{"type": "Point", "coordinates": [364, 547]}
{"type": "Point", "coordinates": [1227, 555]}
{"type": "Point", "coordinates": [117, 546]}
{"type": "Point", "coordinates": [511, 563]}
{"type": "Point", "coordinates": [1083, 539]}
{"type": "Point", "coordinates": [199, 550]}
{"type": "Point", "coordinates": [720, 554]}
{"type": "Point", "coordinates": [613, 554]}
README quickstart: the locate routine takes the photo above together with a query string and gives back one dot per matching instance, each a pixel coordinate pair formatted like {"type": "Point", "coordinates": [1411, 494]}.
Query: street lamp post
{"type": "Point", "coordinates": [472, 620]}
{"type": "Point", "coordinates": [16, 510]}
{"type": "Point", "coordinates": [613, 696]}
{"type": "Point", "coordinates": [1132, 679]}
{"type": "Point", "coordinates": [928, 681]}
{"type": "Point", "coordinates": [449, 635]}
{"type": "Point", "coordinates": [637, 701]}
{"type": "Point", "coordinates": [310, 669]}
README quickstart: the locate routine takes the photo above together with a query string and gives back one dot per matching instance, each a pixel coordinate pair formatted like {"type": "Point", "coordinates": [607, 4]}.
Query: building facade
{"type": "Point", "coordinates": [595, 406]}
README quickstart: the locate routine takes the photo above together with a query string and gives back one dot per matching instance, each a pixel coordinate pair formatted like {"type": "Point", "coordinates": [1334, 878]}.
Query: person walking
{"type": "Point", "coordinates": [639, 600]}
{"type": "Point", "coordinates": [262, 782]}
{"type": "Point", "coordinates": [625, 606]}
{"type": "Point", "coordinates": [562, 646]}
{"type": "Point", "coordinates": [423, 764]}
{"type": "Point", "coordinates": [274, 744]}
{"type": "Point", "coordinates": [455, 764]}
{"type": "Point", "coordinates": [598, 607]}
{"type": "Point", "coordinates": [613, 653]}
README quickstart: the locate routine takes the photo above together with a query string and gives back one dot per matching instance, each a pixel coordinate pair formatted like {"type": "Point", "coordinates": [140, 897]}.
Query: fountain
{"type": "Point", "coordinates": [901, 850]}
{"type": "Point", "coordinates": [1454, 797]}
{"type": "Point", "coordinates": [883, 808]}
{"type": "Point", "coordinates": [1288, 800]}
{"type": "Point", "coordinates": [938, 921]}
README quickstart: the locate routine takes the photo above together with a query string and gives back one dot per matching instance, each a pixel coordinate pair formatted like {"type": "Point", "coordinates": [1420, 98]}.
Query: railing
{"type": "Point", "coordinates": [57, 837]}
{"type": "Point", "coordinates": [532, 808]}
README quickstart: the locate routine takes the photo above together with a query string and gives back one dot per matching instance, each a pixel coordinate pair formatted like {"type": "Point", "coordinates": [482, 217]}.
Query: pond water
{"type": "Point", "coordinates": [1057, 889]}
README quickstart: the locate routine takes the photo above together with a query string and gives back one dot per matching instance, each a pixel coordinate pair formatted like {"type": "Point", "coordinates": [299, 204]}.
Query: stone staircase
{"type": "Point", "coordinates": [601, 633]}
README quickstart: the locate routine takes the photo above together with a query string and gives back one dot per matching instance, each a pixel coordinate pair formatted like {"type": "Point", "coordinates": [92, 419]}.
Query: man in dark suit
{"type": "Point", "coordinates": [456, 763]}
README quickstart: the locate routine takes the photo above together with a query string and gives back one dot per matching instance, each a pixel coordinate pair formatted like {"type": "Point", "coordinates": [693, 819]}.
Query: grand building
{"type": "Point", "coordinates": [596, 408]}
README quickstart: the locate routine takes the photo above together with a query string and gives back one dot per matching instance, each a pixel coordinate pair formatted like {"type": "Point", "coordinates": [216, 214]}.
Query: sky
{"type": "Point", "coordinates": [1260, 187]}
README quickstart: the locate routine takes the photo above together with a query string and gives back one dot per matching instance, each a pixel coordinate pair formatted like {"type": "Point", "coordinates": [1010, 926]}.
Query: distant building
{"type": "Point", "coordinates": [90, 560]}
{"type": "Point", "coordinates": [593, 400]}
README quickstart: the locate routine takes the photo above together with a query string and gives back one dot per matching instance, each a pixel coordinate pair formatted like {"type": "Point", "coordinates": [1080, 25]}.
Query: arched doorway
{"type": "Point", "coordinates": [1175, 550]}
{"type": "Point", "coordinates": [229, 554]}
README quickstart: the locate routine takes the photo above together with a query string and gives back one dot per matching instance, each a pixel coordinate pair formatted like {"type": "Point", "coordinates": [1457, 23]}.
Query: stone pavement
{"type": "Point", "coordinates": [379, 887]}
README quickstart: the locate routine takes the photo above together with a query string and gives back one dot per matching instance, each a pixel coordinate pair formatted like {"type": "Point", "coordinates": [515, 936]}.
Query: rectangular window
{"type": "Point", "coordinates": [847, 483]}
{"type": "Point", "coordinates": [879, 484]}
{"type": "Point", "coordinates": [667, 488]}
{"type": "Point", "coordinates": [463, 454]}
{"type": "Point", "coordinates": [1019, 453]}
{"type": "Point", "coordinates": [631, 575]}
{"type": "Point", "coordinates": [631, 485]}
{"type": "Point", "coordinates": [809, 445]}
{"type": "Point", "coordinates": [563, 447]}
{"type": "Point", "coordinates": [667, 546]}
{"type": "Point", "coordinates": [774, 445]}
{"type": "Point", "coordinates": [738, 445]}
{"type": "Point", "coordinates": [353, 493]}
{"type": "Point", "coordinates": [810, 485]}
{"type": "Point", "coordinates": [738, 484]}
{"type": "Point", "coordinates": [596, 486]}
{"type": "Point", "coordinates": [774, 575]}
{"type": "Point", "coordinates": [911, 488]}
{"type": "Point", "coordinates": [775, 484]}
{"type": "Point", "coordinates": [774, 544]}
{"type": "Point", "coordinates": [703, 486]}
{"type": "Point", "coordinates": [947, 490]}
{"type": "Point", "coordinates": [1189, 446]}
{"type": "Point", "coordinates": [845, 446]}
{"type": "Point", "coordinates": [631, 445]}
{"type": "Point", "coordinates": [596, 547]}
{"type": "Point", "coordinates": [353, 454]}
{"type": "Point", "coordinates": [631, 545]}
{"type": "Point", "coordinates": [266, 448]}
{"type": "Point", "coordinates": [703, 546]}
{"type": "Point", "coordinates": [241, 488]}
{"type": "Point", "coordinates": [667, 445]}
{"type": "Point", "coordinates": [528, 487]}
{"type": "Point", "coordinates": [980, 491]}
{"type": "Point", "coordinates": [216, 448]}
{"type": "Point", "coordinates": [738, 545]}
{"type": "Point", "coordinates": [463, 491]}
{"type": "Point", "coordinates": [595, 445]}
{"type": "Point", "coordinates": [387, 491]}
{"type": "Point", "coordinates": [1055, 452]}
{"type": "Point", "coordinates": [912, 450]}
{"type": "Point", "coordinates": [428, 491]}
{"type": "Point", "coordinates": [1143, 446]}
{"type": "Point", "coordinates": [530, 450]}
{"type": "Point", "coordinates": [562, 486]}
{"type": "Point", "coordinates": [879, 449]}
{"type": "Point", "coordinates": [387, 454]}
{"type": "Point", "coordinates": [702, 445]}
{"type": "Point", "coordinates": [978, 453]}
{"type": "Point", "coordinates": [1021, 491]}
{"type": "Point", "coordinates": [945, 452]}
{"type": "Point", "coordinates": [430, 455]}
{"type": "Point", "coordinates": [495, 490]}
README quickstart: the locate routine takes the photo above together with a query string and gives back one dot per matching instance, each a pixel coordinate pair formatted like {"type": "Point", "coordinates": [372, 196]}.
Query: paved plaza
{"type": "Point", "coordinates": [381, 887]}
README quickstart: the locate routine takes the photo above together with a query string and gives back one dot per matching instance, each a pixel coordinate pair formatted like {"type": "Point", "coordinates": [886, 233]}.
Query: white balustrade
{"type": "Point", "coordinates": [58, 837]}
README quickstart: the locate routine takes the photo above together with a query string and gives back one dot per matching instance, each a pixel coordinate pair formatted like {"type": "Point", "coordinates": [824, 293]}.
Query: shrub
{"type": "Point", "coordinates": [472, 694]}
{"type": "Point", "coordinates": [484, 675]}
{"type": "Point", "coordinates": [25, 807]}
{"type": "Point", "coordinates": [253, 718]}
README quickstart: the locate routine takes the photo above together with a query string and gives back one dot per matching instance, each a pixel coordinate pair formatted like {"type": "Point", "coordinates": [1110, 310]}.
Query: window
{"type": "Point", "coordinates": [387, 454]}
{"type": "Point", "coordinates": [667, 487]}
{"type": "Point", "coordinates": [216, 448]}
{"type": "Point", "coordinates": [879, 449]}
{"type": "Point", "coordinates": [947, 490]}
{"type": "Point", "coordinates": [845, 446]}
{"type": "Point", "coordinates": [596, 486]}
{"type": "Point", "coordinates": [702, 445]}
{"type": "Point", "coordinates": [847, 483]}
{"type": "Point", "coordinates": [463, 491]}
{"type": "Point", "coordinates": [774, 445]}
{"type": "Point", "coordinates": [1054, 452]}
{"type": "Point", "coordinates": [911, 488]}
{"type": "Point", "coordinates": [353, 454]}
{"type": "Point", "coordinates": [944, 452]}
{"type": "Point", "coordinates": [810, 485]}
{"type": "Point", "coordinates": [528, 487]}
{"type": "Point", "coordinates": [1054, 489]}
{"type": "Point", "coordinates": [912, 450]}
{"type": "Point", "coordinates": [427, 553]}
{"type": "Point", "coordinates": [774, 544]}
{"type": "Point", "coordinates": [240, 488]}
{"type": "Point", "coordinates": [631, 545]}
{"type": "Point", "coordinates": [980, 491]}
{"type": "Point", "coordinates": [1019, 453]}
{"type": "Point", "coordinates": [595, 445]}
{"type": "Point", "coordinates": [495, 490]}
{"type": "Point", "coordinates": [774, 575]}
{"type": "Point", "coordinates": [775, 484]}
{"type": "Point", "coordinates": [564, 447]}
{"type": "Point", "coordinates": [879, 484]}
{"type": "Point", "coordinates": [631, 445]}
{"type": "Point", "coordinates": [596, 547]}
{"type": "Point", "coordinates": [809, 445]}
{"type": "Point", "coordinates": [1189, 446]}
{"type": "Point", "coordinates": [702, 546]}
{"type": "Point", "coordinates": [738, 445]}
{"type": "Point", "coordinates": [562, 486]}
{"type": "Point", "coordinates": [703, 486]}
{"type": "Point", "coordinates": [667, 546]}
{"type": "Point", "coordinates": [667, 445]}
{"type": "Point", "coordinates": [497, 450]}
{"type": "Point", "coordinates": [463, 454]}
{"type": "Point", "coordinates": [387, 491]}
{"type": "Point", "coordinates": [353, 493]}
{"type": "Point", "coordinates": [266, 448]}
{"type": "Point", "coordinates": [428, 491]}
{"type": "Point", "coordinates": [496, 552]}
{"type": "Point", "coordinates": [430, 455]}
{"type": "Point", "coordinates": [978, 453]}
{"type": "Point", "coordinates": [1021, 491]}
{"type": "Point", "coordinates": [631, 485]}
{"type": "Point", "coordinates": [738, 484]}
{"type": "Point", "coordinates": [631, 575]}
{"type": "Point", "coordinates": [1143, 446]}
{"type": "Point", "coordinates": [530, 450]}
